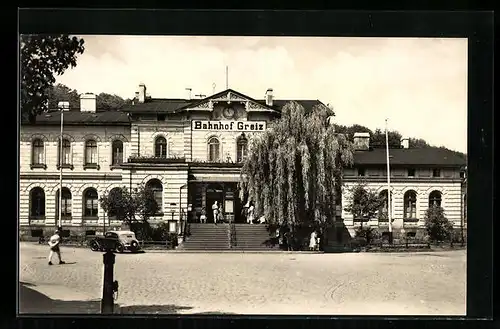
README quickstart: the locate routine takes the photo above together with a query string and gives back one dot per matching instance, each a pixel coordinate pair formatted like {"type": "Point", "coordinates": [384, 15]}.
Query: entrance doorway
{"type": "Point", "coordinates": [215, 192]}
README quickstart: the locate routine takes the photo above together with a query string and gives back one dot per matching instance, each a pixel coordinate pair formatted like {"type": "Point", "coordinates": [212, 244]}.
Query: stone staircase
{"type": "Point", "coordinates": [207, 237]}
{"type": "Point", "coordinates": [252, 238]}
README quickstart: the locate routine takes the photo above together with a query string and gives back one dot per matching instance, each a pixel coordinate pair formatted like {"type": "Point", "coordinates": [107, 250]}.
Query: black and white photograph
{"type": "Point", "coordinates": [242, 175]}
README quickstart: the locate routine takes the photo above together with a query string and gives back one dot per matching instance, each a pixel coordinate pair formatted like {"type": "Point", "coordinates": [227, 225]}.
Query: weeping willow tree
{"type": "Point", "coordinates": [293, 171]}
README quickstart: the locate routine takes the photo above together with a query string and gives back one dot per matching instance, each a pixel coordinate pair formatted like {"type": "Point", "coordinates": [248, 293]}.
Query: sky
{"type": "Point", "coordinates": [418, 84]}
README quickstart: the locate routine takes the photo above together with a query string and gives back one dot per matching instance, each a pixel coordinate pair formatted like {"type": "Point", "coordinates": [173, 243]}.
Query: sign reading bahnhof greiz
{"type": "Point", "coordinates": [229, 125]}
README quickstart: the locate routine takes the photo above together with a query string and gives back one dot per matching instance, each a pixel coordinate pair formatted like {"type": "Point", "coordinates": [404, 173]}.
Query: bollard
{"type": "Point", "coordinates": [107, 301]}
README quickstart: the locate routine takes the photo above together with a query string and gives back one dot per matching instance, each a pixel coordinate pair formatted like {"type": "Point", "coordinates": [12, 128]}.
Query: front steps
{"type": "Point", "coordinates": [216, 237]}
{"type": "Point", "coordinates": [253, 237]}
{"type": "Point", "coordinates": [207, 237]}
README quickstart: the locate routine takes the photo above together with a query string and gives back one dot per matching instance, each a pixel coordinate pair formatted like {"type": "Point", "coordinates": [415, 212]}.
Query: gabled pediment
{"type": "Point", "coordinates": [227, 97]}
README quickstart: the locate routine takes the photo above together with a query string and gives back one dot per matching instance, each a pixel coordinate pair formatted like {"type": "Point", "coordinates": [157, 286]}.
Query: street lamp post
{"type": "Point", "coordinates": [62, 107]}
{"type": "Point", "coordinates": [389, 215]}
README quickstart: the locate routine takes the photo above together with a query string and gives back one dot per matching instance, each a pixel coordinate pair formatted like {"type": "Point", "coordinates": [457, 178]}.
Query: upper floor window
{"type": "Point", "coordinates": [117, 148]}
{"type": "Point", "coordinates": [411, 172]}
{"type": "Point", "coordinates": [38, 152]}
{"type": "Point", "coordinates": [37, 202]}
{"type": "Point", "coordinates": [361, 171]}
{"type": "Point", "coordinates": [213, 149]}
{"type": "Point", "coordinates": [436, 173]}
{"type": "Point", "coordinates": [435, 199]}
{"type": "Point", "coordinates": [161, 147]}
{"type": "Point", "coordinates": [90, 201]}
{"type": "Point", "coordinates": [241, 148]}
{"type": "Point", "coordinates": [65, 154]}
{"type": "Point", "coordinates": [410, 205]}
{"type": "Point", "coordinates": [91, 152]}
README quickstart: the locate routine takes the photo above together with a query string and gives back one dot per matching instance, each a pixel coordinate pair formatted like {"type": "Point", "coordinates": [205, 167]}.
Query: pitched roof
{"type": "Point", "coordinates": [76, 117]}
{"type": "Point", "coordinates": [416, 156]}
{"type": "Point", "coordinates": [172, 105]}
{"type": "Point", "coordinates": [159, 105]}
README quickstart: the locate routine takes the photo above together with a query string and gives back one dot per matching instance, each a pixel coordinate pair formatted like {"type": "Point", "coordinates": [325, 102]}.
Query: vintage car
{"type": "Point", "coordinates": [118, 241]}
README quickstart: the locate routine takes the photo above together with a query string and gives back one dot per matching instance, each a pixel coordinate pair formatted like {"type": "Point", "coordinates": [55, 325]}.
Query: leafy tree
{"type": "Point", "coordinates": [418, 143]}
{"type": "Point", "coordinates": [293, 171]}
{"type": "Point", "coordinates": [377, 139]}
{"type": "Point", "coordinates": [133, 208]}
{"type": "Point", "coordinates": [60, 93]}
{"type": "Point", "coordinates": [42, 56]}
{"type": "Point", "coordinates": [438, 227]}
{"type": "Point", "coordinates": [110, 102]}
{"type": "Point", "coordinates": [363, 204]}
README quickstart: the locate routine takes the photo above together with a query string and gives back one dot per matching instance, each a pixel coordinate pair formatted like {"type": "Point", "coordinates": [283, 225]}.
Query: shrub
{"type": "Point", "coordinates": [160, 232]}
{"type": "Point", "coordinates": [367, 233]}
{"type": "Point", "coordinates": [438, 227]}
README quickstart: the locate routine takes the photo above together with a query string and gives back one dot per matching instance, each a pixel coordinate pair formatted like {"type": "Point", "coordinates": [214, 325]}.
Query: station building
{"type": "Point", "coordinates": [190, 152]}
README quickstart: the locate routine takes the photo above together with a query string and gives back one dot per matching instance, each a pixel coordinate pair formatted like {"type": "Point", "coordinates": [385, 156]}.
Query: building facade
{"type": "Point", "coordinates": [190, 152]}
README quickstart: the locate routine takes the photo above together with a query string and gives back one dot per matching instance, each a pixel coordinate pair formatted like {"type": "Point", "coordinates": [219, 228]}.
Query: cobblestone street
{"type": "Point", "coordinates": [248, 283]}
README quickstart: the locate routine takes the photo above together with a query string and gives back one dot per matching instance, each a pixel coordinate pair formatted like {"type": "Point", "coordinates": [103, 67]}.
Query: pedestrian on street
{"type": "Point", "coordinates": [312, 241]}
{"type": "Point", "coordinates": [54, 242]}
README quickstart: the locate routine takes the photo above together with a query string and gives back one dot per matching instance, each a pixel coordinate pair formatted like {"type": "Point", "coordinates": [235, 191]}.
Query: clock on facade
{"type": "Point", "coordinates": [228, 112]}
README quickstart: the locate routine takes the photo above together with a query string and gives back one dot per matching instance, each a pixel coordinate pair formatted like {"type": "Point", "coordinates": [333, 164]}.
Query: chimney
{"type": "Point", "coordinates": [189, 93]}
{"type": "Point", "coordinates": [405, 142]}
{"type": "Point", "coordinates": [269, 97]}
{"type": "Point", "coordinates": [88, 102]}
{"type": "Point", "coordinates": [142, 93]}
{"type": "Point", "coordinates": [361, 141]}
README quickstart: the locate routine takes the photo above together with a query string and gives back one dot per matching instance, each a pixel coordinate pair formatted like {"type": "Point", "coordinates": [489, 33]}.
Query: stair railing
{"type": "Point", "coordinates": [232, 234]}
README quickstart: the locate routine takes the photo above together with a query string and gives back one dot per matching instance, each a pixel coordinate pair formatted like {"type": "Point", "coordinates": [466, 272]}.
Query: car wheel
{"type": "Point", "coordinates": [134, 246]}
{"type": "Point", "coordinates": [94, 246]}
{"type": "Point", "coordinates": [119, 248]}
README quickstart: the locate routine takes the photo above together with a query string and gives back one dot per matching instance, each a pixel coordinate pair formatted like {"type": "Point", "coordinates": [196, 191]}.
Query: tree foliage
{"type": "Point", "coordinates": [438, 227]}
{"type": "Point", "coordinates": [293, 171]}
{"type": "Point", "coordinates": [130, 207]}
{"type": "Point", "coordinates": [42, 56]}
{"type": "Point", "coordinates": [363, 203]}
{"type": "Point", "coordinates": [104, 101]}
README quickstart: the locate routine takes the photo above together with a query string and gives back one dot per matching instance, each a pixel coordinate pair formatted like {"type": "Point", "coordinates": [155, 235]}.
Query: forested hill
{"type": "Point", "coordinates": [377, 138]}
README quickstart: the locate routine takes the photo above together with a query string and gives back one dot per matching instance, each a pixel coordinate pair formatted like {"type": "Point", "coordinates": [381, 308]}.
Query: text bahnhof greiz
{"type": "Point", "coordinates": [229, 125]}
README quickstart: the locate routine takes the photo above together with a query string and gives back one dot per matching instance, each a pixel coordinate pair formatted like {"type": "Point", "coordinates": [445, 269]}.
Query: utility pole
{"type": "Point", "coordinates": [389, 208]}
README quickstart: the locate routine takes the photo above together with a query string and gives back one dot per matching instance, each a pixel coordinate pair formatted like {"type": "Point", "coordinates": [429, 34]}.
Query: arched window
{"type": "Point", "coordinates": [157, 188]}
{"type": "Point", "coordinates": [383, 213]}
{"type": "Point", "coordinates": [241, 148]}
{"type": "Point", "coordinates": [90, 200]}
{"type": "Point", "coordinates": [410, 204]}
{"type": "Point", "coordinates": [66, 203]}
{"type": "Point", "coordinates": [37, 202]}
{"type": "Point", "coordinates": [38, 152]}
{"type": "Point", "coordinates": [66, 152]}
{"type": "Point", "coordinates": [117, 152]}
{"type": "Point", "coordinates": [91, 152]}
{"type": "Point", "coordinates": [435, 199]}
{"type": "Point", "coordinates": [213, 149]}
{"type": "Point", "coordinates": [161, 147]}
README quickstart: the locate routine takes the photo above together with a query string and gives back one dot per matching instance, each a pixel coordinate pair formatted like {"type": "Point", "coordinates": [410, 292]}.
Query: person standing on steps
{"type": "Point", "coordinates": [54, 242]}
{"type": "Point", "coordinates": [250, 213]}
{"type": "Point", "coordinates": [215, 210]}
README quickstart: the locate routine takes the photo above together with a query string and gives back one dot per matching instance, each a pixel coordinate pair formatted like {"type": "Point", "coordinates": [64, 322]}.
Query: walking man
{"type": "Point", "coordinates": [54, 242]}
